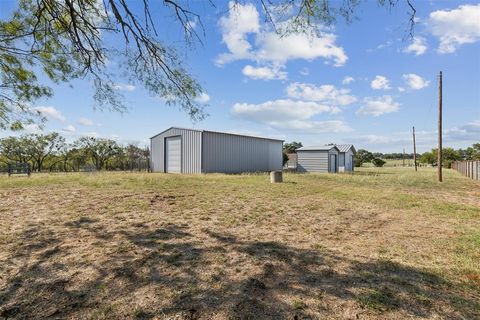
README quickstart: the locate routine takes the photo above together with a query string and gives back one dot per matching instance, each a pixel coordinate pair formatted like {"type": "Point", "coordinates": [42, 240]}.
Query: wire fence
{"type": "Point", "coordinates": [469, 168]}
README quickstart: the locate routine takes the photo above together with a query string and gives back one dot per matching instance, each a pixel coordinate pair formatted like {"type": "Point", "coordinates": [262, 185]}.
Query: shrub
{"type": "Point", "coordinates": [377, 162]}
{"type": "Point", "coordinates": [285, 158]}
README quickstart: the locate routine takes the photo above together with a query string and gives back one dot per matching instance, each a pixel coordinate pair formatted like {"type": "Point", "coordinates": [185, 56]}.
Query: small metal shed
{"type": "Point", "coordinates": [318, 159]}
{"type": "Point", "coordinates": [345, 157]}
{"type": "Point", "coordinates": [180, 150]}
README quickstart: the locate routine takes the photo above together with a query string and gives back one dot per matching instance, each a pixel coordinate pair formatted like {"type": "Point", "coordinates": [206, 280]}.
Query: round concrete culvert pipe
{"type": "Point", "coordinates": [276, 176]}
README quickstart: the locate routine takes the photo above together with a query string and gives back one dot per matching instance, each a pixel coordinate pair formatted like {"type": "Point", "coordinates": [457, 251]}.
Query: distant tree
{"type": "Point", "coordinates": [377, 155]}
{"type": "Point", "coordinates": [292, 147]}
{"type": "Point", "coordinates": [473, 152]}
{"type": "Point", "coordinates": [76, 158]}
{"type": "Point", "coordinates": [428, 158]}
{"type": "Point", "coordinates": [3, 163]}
{"type": "Point", "coordinates": [377, 162]}
{"type": "Point", "coordinates": [285, 158]}
{"type": "Point", "coordinates": [14, 149]}
{"type": "Point", "coordinates": [362, 156]}
{"type": "Point", "coordinates": [449, 155]}
{"type": "Point", "coordinates": [41, 146]}
{"type": "Point", "coordinates": [65, 158]}
{"type": "Point", "coordinates": [99, 150]}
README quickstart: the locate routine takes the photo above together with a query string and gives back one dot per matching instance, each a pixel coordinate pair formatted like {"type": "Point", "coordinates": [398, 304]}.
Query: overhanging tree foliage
{"type": "Point", "coordinates": [70, 39]}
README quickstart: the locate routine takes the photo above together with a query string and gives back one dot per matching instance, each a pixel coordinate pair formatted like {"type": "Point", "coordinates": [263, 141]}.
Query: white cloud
{"type": "Point", "coordinates": [401, 89]}
{"type": "Point", "coordinates": [348, 80]}
{"type": "Point", "coordinates": [380, 83]}
{"type": "Point", "coordinates": [203, 98]}
{"type": "Point", "coordinates": [310, 126]}
{"type": "Point", "coordinates": [192, 24]}
{"type": "Point", "coordinates": [418, 46]}
{"type": "Point", "coordinates": [32, 128]}
{"type": "Point", "coordinates": [426, 139]}
{"type": "Point", "coordinates": [384, 45]}
{"type": "Point", "coordinates": [467, 132]}
{"type": "Point", "coordinates": [69, 129]}
{"type": "Point", "coordinates": [381, 46]}
{"type": "Point", "coordinates": [243, 132]}
{"type": "Point", "coordinates": [92, 134]}
{"type": "Point", "coordinates": [415, 82]}
{"type": "Point", "coordinates": [280, 110]}
{"type": "Point", "coordinates": [50, 113]}
{"type": "Point", "coordinates": [290, 115]}
{"type": "Point", "coordinates": [124, 87]}
{"type": "Point", "coordinates": [327, 94]}
{"type": "Point", "coordinates": [241, 20]}
{"type": "Point", "coordinates": [378, 106]}
{"type": "Point", "coordinates": [280, 49]}
{"type": "Point", "coordinates": [268, 47]}
{"type": "Point", "coordinates": [455, 27]}
{"type": "Point", "coordinates": [85, 122]}
{"type": "Point", "coordinates": [264, 73]}
{"type": "Point", "coordinates": [305, 72]}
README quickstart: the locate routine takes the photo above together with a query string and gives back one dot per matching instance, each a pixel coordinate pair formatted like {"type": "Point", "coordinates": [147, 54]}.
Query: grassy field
{"type": "Point", "coordinates": [382, 243]}
{"type": "Point", "coordinates": [394, 163]}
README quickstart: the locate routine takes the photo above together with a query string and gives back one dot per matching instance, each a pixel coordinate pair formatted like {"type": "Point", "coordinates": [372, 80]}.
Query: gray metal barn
{"type": "Point", "coordinates": [179, 150]}
{"type": "Point", "coordinates": [318, 159]}
{"type": "Point", "coordinates": [345, 157]}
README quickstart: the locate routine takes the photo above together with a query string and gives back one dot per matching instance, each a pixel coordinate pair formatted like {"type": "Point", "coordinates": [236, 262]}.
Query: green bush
{"type": "Point", "coordinates": [285, 158]}
{"type": "Point", "coordinates": [377, 162]}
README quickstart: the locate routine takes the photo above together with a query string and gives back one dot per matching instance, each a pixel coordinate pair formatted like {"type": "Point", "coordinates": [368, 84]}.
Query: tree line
{"type": "Point", "coordinates": [51, 152]}
{"type": "Point", "coordinates": [449, 155]}
{"type": "Point", "coordinates": [362, 156]}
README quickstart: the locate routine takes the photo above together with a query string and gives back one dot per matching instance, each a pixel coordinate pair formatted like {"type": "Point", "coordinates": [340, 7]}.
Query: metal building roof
{"type": "Point", "coordinates": [318, 148]}
{"type": "Point", "coordinates": [228, 133]}
{"type": "Point", "coordinates": [345, 147]}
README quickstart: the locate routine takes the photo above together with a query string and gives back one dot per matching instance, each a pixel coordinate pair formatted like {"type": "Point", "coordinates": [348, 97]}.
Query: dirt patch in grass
{"type": "Point", "coordinates": [134, 246]}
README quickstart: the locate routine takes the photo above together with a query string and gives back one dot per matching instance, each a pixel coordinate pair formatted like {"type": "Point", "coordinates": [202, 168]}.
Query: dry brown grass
{"type": "Point", "coordinates": [383, 243]}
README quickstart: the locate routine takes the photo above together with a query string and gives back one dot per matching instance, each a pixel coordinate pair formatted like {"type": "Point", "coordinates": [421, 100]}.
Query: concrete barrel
{"type": "Point", "coordinates": [276, 176]}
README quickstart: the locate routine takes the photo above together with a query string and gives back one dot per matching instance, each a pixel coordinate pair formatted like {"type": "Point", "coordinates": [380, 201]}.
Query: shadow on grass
{"type": "Point", "coordinates": [172, 259]}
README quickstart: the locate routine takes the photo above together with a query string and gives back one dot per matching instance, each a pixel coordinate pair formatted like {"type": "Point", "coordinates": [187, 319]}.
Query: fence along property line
{"type": "Point", "coordinates": [470, 168]}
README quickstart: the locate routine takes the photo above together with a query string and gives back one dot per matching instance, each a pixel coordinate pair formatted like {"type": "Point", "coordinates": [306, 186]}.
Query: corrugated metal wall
{"type": "Point", "coordinates": [349, 160]}
{"type": "Point", "coordinates": [191, 150]}
{"type": "Point", "coordinates": [314, 160]}
{"type": "Point", "coordinates": [232, 154]}
{"type": "Point", "coordinates": [341, 159]}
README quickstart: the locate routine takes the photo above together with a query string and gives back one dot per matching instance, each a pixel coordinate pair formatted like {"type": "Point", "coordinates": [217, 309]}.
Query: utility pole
{"type": "Point", "coordinates": [403, 158]}
{"type": "Point", "coordinates": [439, 153]}
{"type": "Point", "coordinates": [414, 150]}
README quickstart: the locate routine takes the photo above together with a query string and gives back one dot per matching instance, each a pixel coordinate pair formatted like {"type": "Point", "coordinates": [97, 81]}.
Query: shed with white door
{"type": "Point", "coordinates": [180, 150]}
{"type": "Point", "coordinates": [318, 159]}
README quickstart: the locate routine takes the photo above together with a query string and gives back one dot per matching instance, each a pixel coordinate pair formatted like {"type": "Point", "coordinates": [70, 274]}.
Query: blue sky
{"type": "Point", "coordinates": [364, 83]}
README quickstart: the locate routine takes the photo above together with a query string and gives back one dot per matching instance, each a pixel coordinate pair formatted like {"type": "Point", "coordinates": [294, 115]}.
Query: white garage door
{"type": "Point", "coordinates": [173, 157]}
